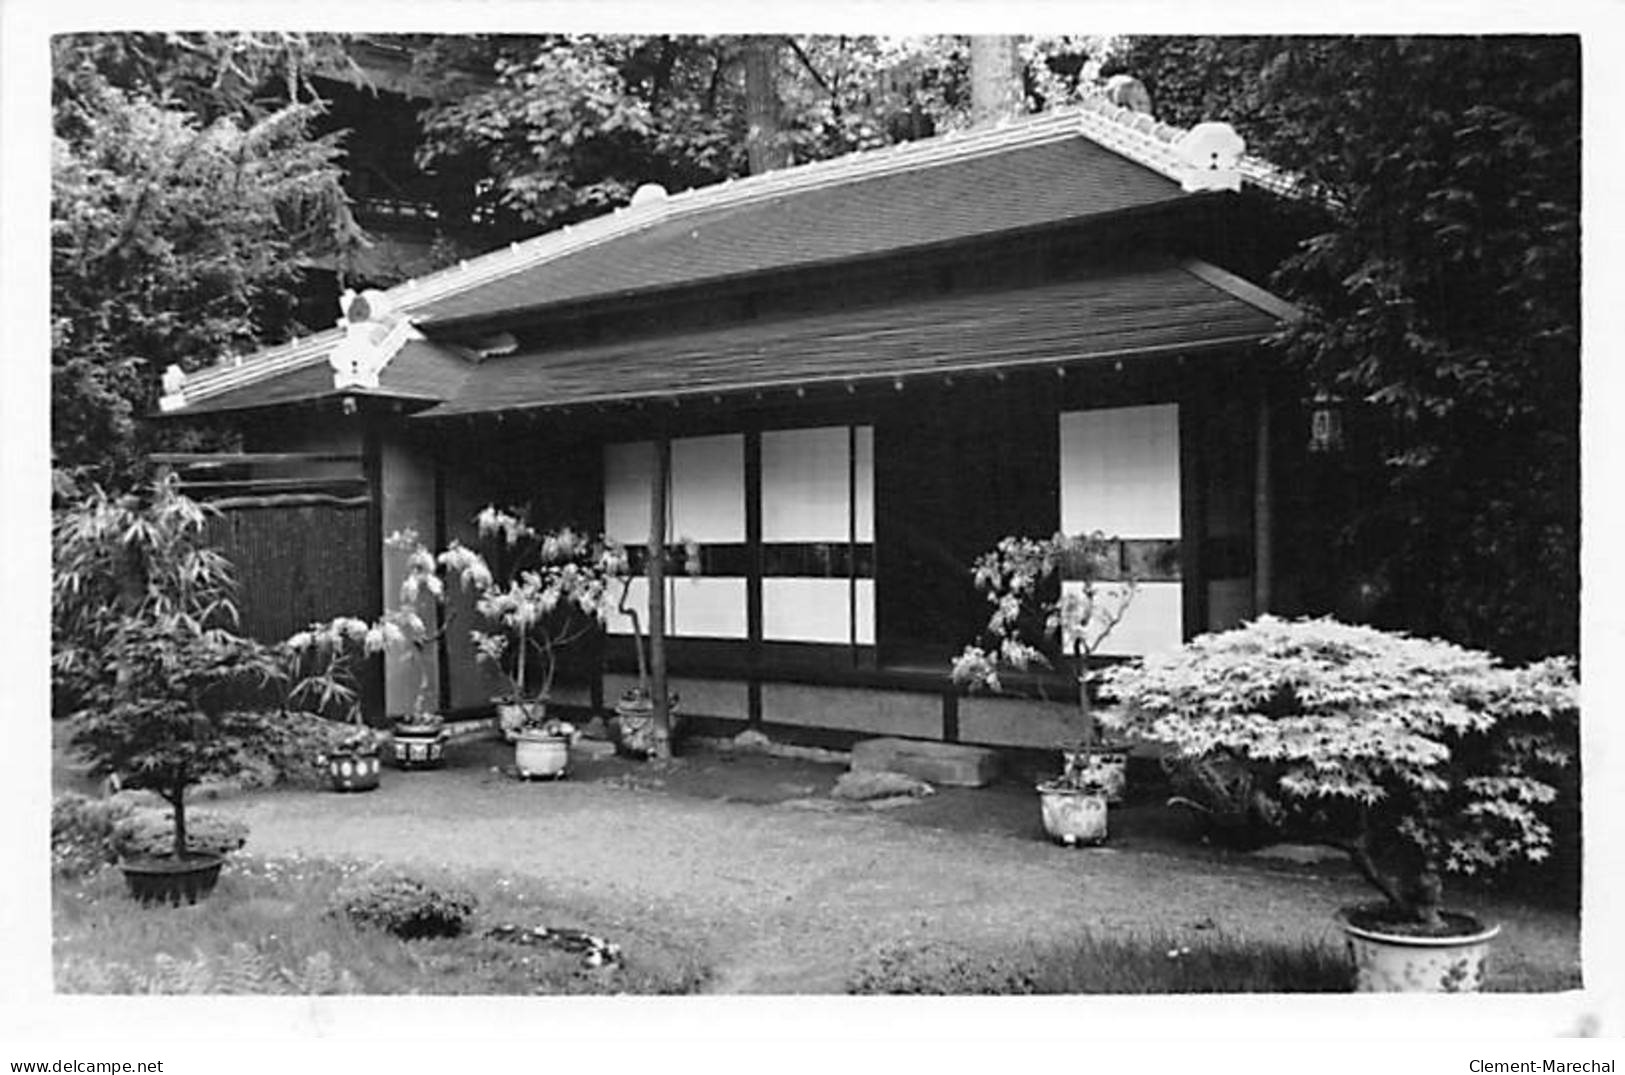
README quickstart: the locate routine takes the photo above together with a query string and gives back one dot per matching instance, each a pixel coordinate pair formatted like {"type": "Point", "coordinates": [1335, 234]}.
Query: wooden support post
{"type": "Point", "coordinates": [753, 569]}
{"type": "Point", "coordinates": [1263, 508]}
{"type": "Point", "coordinates": [657, 596]}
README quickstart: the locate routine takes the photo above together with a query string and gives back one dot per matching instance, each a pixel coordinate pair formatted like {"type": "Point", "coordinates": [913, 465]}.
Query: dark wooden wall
{"type": "Point", "coordinates": [299, 564]}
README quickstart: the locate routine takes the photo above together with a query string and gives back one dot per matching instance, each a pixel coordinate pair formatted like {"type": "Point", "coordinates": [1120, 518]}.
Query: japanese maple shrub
{"type": "Point", "coordinates": [142, 622]}
{"type": "Point", "coordinates": [1416, 757]}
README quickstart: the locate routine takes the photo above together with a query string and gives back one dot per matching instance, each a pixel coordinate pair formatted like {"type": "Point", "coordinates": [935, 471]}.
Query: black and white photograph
{"type": "Point", "coordinates": [954, 524]}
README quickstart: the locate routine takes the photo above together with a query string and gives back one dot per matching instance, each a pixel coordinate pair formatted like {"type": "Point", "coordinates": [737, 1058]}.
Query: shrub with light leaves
{"type": "Point", "coordinates": [550, 590]}
{"type": "Point", "coordinates": [1039, 620]}
{"type": "Point", "coordinates": [553, 590]}
{"type": "Point", "coordinates": [321, 658]}
{"type": "Point", "coordinates": [1414, 756]}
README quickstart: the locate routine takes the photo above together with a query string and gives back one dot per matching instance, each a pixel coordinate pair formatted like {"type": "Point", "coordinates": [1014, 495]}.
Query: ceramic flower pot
{"type": "Point", "coordinates": [352, 770]}
{"type": "Point", "coordinates": [1388, 961]}
{"type": "Point", "coordinates": [166, 879]}
{"type": "Point", "coordinates": [539, 754]}
{"type": "Point", "coordinates": [418, 746]}
{"type": "Point", "coordinates": [1073, 816]}
{"type": "Point", "coordinates": [1105, 764]}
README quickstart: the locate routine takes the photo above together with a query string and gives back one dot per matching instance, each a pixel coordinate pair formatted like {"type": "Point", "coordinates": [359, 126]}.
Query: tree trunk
{"type": "Point", "coordinates": [657, 597]}
{"type": "Point", "coordinates": [995, 80]}
{"type": "Point", "coordinates": [763, 146]}
{"type": "Point", "coordinates": [177, 799]}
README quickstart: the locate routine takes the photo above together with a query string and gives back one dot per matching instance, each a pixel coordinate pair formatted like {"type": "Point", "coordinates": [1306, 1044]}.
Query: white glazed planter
{"type": "Point", "coordinates": [1397, 963]}
{"type": "Point", "coordinates": [539, 755]}
{"type": "Point", "coordinates": [1073, 816]}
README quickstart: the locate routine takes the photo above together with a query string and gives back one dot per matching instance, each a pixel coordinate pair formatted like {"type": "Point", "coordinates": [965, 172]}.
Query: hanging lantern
{"type": "Point", "coordinates": [1325, 423]}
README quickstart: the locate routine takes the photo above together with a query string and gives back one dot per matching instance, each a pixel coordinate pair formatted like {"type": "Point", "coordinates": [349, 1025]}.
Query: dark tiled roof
{"type": "Point", "coordinates": [1133, 310]}
{"type": "Point", "coordinates": [420, 370]}
{"type": "Point", "coordinates": [1070, 178]}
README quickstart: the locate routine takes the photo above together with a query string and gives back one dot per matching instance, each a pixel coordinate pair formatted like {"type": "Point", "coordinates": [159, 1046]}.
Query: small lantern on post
{"type": "Point", "coordinates": [1325, 423]}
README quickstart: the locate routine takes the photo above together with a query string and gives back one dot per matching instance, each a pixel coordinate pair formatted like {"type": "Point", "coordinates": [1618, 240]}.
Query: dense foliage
{"type": "Point", "coordinates": [408, 907]}
{"type": "Point", "coordinates": [182, 205]}
{"type": "Point", "coordinates": [143, 655]}
{"type": "Point", "coordinates": [1416, 757]}
{"type": "Point", "coordinates": [1442, 301]}
{"type": "Point", "coordinates": [570, 126]}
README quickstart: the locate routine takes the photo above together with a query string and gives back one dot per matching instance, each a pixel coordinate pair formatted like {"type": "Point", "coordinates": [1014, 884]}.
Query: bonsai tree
{"type": "Point", "coordinates": [142, 621]}
{"type": "Point", "coordinates": [1415, 757]}
{"type": "Point", "coordinates": [546, 592]}
{"type": "Point", "coordinates": [642, 696]}
{"type": "Point", "coordinates": [1037, 620]}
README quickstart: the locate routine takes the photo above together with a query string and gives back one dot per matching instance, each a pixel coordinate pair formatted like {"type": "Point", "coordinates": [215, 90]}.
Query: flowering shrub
{"type": "Point", "coordinates": [1036, 619]}
{"type": "Point", "coordinates": [405, 906]}
{"type": "Point", "coordinates": [1414, 756]}
{"type": "Point", "coordinates": [322, 657]}
{"type": "Point", "coordinates": [550, 591]}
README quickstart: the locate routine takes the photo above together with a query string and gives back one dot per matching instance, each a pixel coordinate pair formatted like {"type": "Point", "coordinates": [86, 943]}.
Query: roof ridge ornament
{"type": "Point", "coordinates": [1212, 152]}
{"type": "Point", "coordinates": [174, 388]}
{"type": "Point", "coordinates": [374, 330]}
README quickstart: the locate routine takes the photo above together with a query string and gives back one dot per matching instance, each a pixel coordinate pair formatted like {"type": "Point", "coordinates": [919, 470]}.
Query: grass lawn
{"type": "Point", "coordinates": [267, 928]}
{"type": "Point", "coordinates": [1123, 964]}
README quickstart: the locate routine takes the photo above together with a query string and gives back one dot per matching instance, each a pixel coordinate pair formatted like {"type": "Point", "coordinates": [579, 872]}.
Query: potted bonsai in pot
{"type": "Point", "coordinates": [1074, 805]}
{"type": "Point", "coordinates": [322, 657]}
{"type": "Point", "coordinates": [418, 739]}
{"type": "Point", "coordinates": [1415, 757]}
{"type": "Point", "coordinates": [318, 666]}
{"type": "Point", "coordinates": [142, 619]}
{"type": "Point", "coordinates": [633, 727]}
{"type": "Point", "coordinates": [1039, 620]}
{"type": "Point", "coordinates": [546, 592]}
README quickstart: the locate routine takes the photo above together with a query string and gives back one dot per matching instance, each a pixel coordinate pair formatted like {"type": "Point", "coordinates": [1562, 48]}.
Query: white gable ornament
{"type": "Point", "coordinates": [368, 324]}
{"type": "Point", "coordinates": [1212, 152]}
{"type": "Point", "coordinates": [173, 383]}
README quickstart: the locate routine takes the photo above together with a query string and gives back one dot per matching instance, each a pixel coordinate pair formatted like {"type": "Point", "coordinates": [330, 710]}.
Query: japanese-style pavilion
{"type": "Point", "coordinates": [869, 370]}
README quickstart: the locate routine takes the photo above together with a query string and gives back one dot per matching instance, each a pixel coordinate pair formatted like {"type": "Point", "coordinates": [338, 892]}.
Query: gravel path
{"type": "Point", "coordinates": [791, 897]}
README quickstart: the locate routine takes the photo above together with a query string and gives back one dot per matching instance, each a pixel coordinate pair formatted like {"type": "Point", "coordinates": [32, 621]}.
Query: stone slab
{"type": "Point", "coordinates": [953, 764]}
{"type": "Point", "coordinates": [592, 748]}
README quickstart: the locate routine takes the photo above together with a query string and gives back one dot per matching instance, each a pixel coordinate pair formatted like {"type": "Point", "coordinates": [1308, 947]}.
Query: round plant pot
{"type": "Point", "coordinates": [166, 879]}
{"type": "Point", "coordinates": [1105, 764]}
{"type": "Point", "coordinates": [348, 771]}
{"type": "Point", "coordinates": [536, 754]}
{"type": "Point", "coordinates": [418, 747]}
{"type": "Point", "coordinates": [632, 729]}
{"type": "Point", "coordinates": [1072, 816]}
{"type": "Point", "coordinates": [1387, 961]}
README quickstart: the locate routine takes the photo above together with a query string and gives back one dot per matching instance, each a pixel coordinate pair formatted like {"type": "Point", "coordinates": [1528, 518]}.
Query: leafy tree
{"type": "Point", "coordinates": [143, 652]}
{"type": "Point", "coordinates": [1442, 293]}
{"type": "Point", "coordinates": [572, 125]}
{"type": "Point", "coordinates": [181, 208]}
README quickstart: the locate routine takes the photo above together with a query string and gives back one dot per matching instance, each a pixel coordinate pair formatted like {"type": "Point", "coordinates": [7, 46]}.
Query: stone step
{"type": "Point", "coordinates": [939, 763]}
